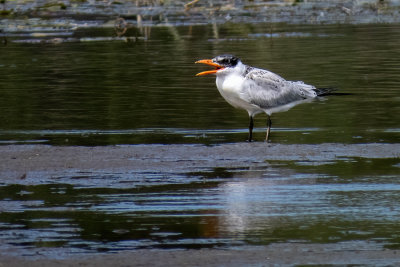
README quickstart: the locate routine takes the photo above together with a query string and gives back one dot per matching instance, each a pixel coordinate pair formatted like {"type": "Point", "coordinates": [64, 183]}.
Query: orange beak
{"type": "Point", "coordinates": [210, 63]}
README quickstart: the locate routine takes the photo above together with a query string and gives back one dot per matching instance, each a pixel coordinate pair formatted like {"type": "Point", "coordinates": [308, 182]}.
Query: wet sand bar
{"type": "Point", "coordinates": [276, 255]}
{"type": "Point", "coordinates": [34, 164]}
{"type": "Point", "coordinates": [43, 161]}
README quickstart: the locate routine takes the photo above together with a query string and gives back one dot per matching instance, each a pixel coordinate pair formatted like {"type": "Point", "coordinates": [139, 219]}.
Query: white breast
{"type": "Point", "coordinates": [230, 88]}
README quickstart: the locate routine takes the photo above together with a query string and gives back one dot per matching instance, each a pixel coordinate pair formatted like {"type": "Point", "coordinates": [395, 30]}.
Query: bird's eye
{"type": "Point", "coordinates": [226, 61]}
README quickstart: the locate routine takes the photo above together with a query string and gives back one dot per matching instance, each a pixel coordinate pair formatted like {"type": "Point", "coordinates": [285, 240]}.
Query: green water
{"type": "Point", "coordinates": [113, 92]}
{"type": "Point", "coordinates": [348, 202]}
{"type": "Point", "coordinates": [97, 92]}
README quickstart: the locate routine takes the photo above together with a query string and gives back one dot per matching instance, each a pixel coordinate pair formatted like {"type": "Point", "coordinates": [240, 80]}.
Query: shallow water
{"type": "Point", "coordinates": [339, 201]}
{"type": "Point", "coordinates": [84, 88]}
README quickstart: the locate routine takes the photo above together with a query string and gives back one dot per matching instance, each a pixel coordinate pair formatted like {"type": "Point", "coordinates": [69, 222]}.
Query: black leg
{"type": "Point", "coordinates": [251, 124]}
{"type": "Point", "coordinates": [269, 123]}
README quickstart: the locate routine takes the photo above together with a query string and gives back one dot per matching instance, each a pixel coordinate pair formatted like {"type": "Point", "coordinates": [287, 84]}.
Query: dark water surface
{"type": "Point", "coordinates": [111, 92]}
{"type": "Point", "coordinates": [349, 202]}
{"type": "Point", "coordinates": [98, 92]}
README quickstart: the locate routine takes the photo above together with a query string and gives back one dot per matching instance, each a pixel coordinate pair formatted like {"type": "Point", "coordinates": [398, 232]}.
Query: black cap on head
{"type": "Point", "coordinates": [226, 60]}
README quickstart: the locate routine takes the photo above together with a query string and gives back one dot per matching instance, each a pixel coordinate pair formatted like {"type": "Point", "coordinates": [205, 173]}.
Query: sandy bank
{"type": "Point", "coordinates": [276, 255]}
{"type": "Point", "coordinates": [34, 164]}
{"type": "Point", "coordinates": [33, 161]}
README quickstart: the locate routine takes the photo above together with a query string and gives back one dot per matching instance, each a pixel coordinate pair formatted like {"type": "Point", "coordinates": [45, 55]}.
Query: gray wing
{"type": "Point", "coordinates": [268, 90]}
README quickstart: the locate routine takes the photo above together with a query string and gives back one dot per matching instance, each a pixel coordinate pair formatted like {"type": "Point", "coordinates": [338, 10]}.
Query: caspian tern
{"type": "Point", "coordinates": [257, 90]}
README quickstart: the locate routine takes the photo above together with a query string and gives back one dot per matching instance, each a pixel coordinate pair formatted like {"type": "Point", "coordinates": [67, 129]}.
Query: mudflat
{"type": "Point", "coordinates": [32, 164]}
{"type": "Point", "coordinates": [273, 255]}
{"type": "Point", "coordinates": [29, 162]}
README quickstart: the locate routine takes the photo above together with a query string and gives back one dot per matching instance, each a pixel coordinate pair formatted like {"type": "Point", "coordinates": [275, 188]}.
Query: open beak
{"type": "Point", "coordinates": [210, 63]}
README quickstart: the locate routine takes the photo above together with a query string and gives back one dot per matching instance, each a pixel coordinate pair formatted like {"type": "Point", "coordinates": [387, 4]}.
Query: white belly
{"type": "Point", "coordinates": [230, 89]}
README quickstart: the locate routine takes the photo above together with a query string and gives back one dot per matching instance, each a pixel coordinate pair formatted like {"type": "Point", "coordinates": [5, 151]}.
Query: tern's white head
{"type": "Point", "coordinates": [224, 64]}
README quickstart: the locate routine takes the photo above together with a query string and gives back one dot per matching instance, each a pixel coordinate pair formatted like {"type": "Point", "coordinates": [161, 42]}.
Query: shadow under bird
{"type": "Point", "coordinates": [257, 90]}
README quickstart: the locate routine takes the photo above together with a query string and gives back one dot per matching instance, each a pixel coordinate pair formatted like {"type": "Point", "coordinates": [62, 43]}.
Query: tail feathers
{"type": "Point", "coordinates": [325, 91]}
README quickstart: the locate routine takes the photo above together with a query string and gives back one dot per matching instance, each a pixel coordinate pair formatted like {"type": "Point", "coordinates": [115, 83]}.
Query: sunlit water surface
{"type": "Point", "coordinates": [101, 92]}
